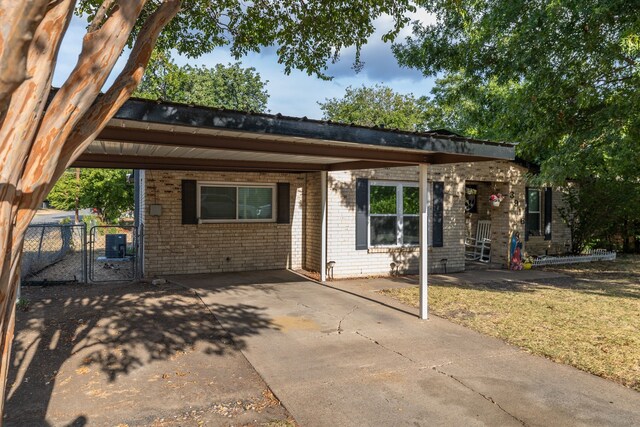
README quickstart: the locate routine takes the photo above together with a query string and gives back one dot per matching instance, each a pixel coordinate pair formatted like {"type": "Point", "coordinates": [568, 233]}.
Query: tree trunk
{"type": "Point", "coordinates": [36, 146]}
{"type": "Point", "coordinates": [9, 280]}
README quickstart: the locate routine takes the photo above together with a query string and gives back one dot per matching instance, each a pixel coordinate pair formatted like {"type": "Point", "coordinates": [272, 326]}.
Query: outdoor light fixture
{"type": "Point", "coordinates": [394, 268]}
{"type": "Point", "coordinates": [330, 266]}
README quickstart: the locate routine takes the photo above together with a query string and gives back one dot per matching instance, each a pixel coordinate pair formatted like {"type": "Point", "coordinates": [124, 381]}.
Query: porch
{"type": "Point", "coordinates": [172, 137]}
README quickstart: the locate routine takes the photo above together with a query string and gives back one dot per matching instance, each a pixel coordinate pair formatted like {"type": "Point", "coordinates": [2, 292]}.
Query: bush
{"type": "Point", "coordinates": [603, 214]}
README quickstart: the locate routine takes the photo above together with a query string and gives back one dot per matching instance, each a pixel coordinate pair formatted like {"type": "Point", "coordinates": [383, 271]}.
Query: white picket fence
{"type": "Point", "coordinates": [594, 255]}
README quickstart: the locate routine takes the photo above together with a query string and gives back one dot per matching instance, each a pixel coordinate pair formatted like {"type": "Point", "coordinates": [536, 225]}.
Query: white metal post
{"type": "Point", "coordinates": [424, 234]}
{"type": "Point", "coordinates": [323, 227]}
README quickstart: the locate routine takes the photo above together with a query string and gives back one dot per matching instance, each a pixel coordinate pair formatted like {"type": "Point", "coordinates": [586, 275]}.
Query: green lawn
{"type": "Point", "coordinates": [590, 320]}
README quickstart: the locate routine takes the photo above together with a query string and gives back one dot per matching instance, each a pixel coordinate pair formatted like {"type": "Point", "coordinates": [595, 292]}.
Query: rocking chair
{"type": "Point", "coordinates": [479, 249]}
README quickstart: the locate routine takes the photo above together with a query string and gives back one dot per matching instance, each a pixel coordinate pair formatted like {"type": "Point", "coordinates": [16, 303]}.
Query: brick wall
{"type": "Point", "coordinates": [313, 222]}
{"type": "Point", "coordinates": [504, 177]}
{"type": "Point", "coordinates": [174, 248]}
{"type": "Point", "coordinates": [560, 233]}
{"type": "Point", "coordinates": [376, 261]}
{"type": "Point", "coordinates": [171, 247]}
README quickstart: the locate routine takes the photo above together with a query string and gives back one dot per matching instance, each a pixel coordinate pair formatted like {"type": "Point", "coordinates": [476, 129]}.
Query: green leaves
{"type": "Point", "coordinates": [306, 34]}
{"type": "Point", "coordinates": [230, 86]}
{"type": "Point", "coordinates": [602, 213]}
{"type": "Point", "coordinates": [382, 199]}
{"type": "Point", "coordinates": [378, 106]}
{"type": "Point", "coordinates": [104, 189]}
{"type": "Point", "coordinates": [561, 78]}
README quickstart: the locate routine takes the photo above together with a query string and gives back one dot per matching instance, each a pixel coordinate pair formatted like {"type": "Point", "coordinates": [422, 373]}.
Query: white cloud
{"type": "Point", "coordinates": [296, 94]}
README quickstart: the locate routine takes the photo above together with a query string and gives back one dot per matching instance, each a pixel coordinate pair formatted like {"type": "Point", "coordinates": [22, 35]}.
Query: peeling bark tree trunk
{"type": "Point", "coordinates": [36, 146]}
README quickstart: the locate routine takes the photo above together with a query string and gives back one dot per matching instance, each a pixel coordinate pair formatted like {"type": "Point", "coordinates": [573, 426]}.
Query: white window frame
{"type": "Point", "coordinates": [537, 232]}
{"type": "Point", "coordinates": [399, 185]}
{"type": "Point", "coordinates": [237, 185]}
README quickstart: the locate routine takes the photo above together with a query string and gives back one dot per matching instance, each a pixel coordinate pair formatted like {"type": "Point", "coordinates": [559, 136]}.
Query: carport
{"type": "Point", "coordinates": [166, 136]}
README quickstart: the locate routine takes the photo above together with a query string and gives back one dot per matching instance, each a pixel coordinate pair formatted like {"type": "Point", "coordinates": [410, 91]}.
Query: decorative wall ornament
{"type": "Point", "coordinates": [496, 199]}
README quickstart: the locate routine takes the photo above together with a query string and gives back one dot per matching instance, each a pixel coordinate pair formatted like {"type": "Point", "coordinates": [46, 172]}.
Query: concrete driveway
{"type": "Point", "coordinates": [334, 358]}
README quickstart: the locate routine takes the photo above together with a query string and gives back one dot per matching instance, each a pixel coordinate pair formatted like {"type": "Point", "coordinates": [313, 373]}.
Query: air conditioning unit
{"type": "Point", "coordinates": [116, 245]}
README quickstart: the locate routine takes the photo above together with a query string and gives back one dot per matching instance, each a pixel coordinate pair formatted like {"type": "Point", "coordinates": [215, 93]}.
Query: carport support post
{"type": "Point", "coordinates": [323, 226]}
{"type": "Point", "coordinates": [424, 234]}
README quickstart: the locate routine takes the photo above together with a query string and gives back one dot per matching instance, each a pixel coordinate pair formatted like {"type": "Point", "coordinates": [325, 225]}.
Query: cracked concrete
{"type": "Point", "coordinates": [355, 307]}
{"type": "Point", "coordinates": [386, 367]}
{"type": "Point", "coordinates": [386, 348]}
{"type": "Point", "coordinates": [489, 398]}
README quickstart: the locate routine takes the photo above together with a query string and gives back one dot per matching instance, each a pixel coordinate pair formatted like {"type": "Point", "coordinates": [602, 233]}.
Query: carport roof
{"type": "Point", "coordinates": [160, 135]}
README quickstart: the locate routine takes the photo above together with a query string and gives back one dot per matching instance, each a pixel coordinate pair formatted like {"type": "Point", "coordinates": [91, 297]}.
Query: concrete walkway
{"type": "Point", "coordinates": [337, 359]}
{"type": "Point", "coordinates": [368, 287]}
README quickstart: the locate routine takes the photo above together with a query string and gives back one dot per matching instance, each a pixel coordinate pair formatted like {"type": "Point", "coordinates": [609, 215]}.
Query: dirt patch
{"type": "Point", "coordinates": [293, 323]}
{"type": "Point", "coordinates": [132, 354]}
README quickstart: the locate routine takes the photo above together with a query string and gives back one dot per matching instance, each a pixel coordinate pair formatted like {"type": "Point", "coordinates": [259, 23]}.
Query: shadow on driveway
{"type": "Point", "coordinates": [133, 353]}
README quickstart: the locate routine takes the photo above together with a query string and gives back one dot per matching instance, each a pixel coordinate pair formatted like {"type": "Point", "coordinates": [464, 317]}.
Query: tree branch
{"type": "Point", "coordinates": [100, 51]}
{"type": "Point", "coordinates": [100, 15]}
{"type": "Point", "coordinates": [628, 60]}
{"type": "Point", "coordinates": [19, 20]}
{"type": "Point", "coordinates": [124, 85]}
{"type": "Point", "coordinates": [26, 108]}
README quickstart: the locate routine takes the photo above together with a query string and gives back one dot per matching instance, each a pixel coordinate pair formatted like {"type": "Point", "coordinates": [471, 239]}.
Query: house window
{"type": "Point", "coordinates": [230, 203]}
{"type": "Point", "coordinates": [533, 211]}
{"type": "Point", "coordinates": [393, 214]}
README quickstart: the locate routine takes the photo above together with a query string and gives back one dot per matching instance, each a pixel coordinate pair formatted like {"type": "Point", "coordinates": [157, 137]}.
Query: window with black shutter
{"type": "Point", "coordinates": [387, 214]}
{"type": "Point", "coordinates": [211, 202]}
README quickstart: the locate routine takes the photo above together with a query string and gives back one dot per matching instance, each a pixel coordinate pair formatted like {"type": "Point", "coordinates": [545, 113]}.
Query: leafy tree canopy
{"type": "Point", "coordinates": [473, 108]}
{"type": "Point", "coordinates": [305, 33]}
{"type": "Point", "coordinates": [223, 86]}
{"type": "Point", "coordinates": [562, 78]}
{"type": "Point", "coordinates": [603, 213]}
{"type": "Point", "coordinates": [104, 189]}
{"type": "Point", "coordinates": [378, 106]}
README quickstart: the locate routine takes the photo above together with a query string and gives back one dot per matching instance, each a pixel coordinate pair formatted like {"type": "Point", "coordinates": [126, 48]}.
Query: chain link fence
{"type": "Point", "coordinates": [113, 253]}
{"type": "Point", "coordinates": [60, 254]}
{"type": "Point", "coordinates": [54, 253]}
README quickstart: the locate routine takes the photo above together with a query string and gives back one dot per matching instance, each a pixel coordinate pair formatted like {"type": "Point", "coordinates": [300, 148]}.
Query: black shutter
{"type": "Point", "coordinates": [438, 214]}
{"type": "Point", "coordinates": [284, 214]}
{"type": "Point", "coordinates": [189, 202]}
{"type": "Point", "coordinates": [547, 212]}
{"type": "Point", "coordinates": [526, 213]}
{"type": "Point", "coordinates": [362, 212]}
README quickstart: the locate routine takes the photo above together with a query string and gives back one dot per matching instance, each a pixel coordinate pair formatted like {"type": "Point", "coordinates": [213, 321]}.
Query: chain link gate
{"type": "Point", "coordinates": [113, 253]}
{"type": "Point", "coordinates": [54, 254]}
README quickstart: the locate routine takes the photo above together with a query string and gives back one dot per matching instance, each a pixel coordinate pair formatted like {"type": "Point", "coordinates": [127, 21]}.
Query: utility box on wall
{"type": "Point", "coordinates": [155, 210]}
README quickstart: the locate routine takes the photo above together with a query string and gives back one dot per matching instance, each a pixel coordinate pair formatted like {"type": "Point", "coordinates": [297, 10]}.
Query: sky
{"type": "Point", "coordinates": [296, 94]}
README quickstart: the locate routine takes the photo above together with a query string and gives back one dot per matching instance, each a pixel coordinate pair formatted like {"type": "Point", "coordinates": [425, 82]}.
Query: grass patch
{"type": "Point", "coordinates": [590, 320]}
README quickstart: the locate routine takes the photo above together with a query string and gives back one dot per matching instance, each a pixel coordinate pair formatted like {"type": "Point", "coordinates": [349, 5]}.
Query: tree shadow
{"type": "Point", "coordinates": [608, 284]}
{"type": "Point", "coordinates": [607, 279]}
{"type": "Point", "coordinates": [112, 329]}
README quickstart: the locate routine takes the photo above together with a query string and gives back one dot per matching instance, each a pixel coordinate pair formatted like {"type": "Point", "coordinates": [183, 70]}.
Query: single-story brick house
{"type": "Point", "coordinates": [200, 221]}
{"type": "Point", "coordinates": [220, 190]}
{"type": "Point", "coordinates": [234, 225]}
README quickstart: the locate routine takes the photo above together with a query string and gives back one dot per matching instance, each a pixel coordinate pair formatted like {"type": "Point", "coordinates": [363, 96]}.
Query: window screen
{"type": "Point", "coordinates": [217, 203]}
{"type": "Point", "coordinates": [255, 203]}
{"type": "Point", "coordinates": [533, 215]}
{"type": "Point", "coordinates": [236, 203]}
